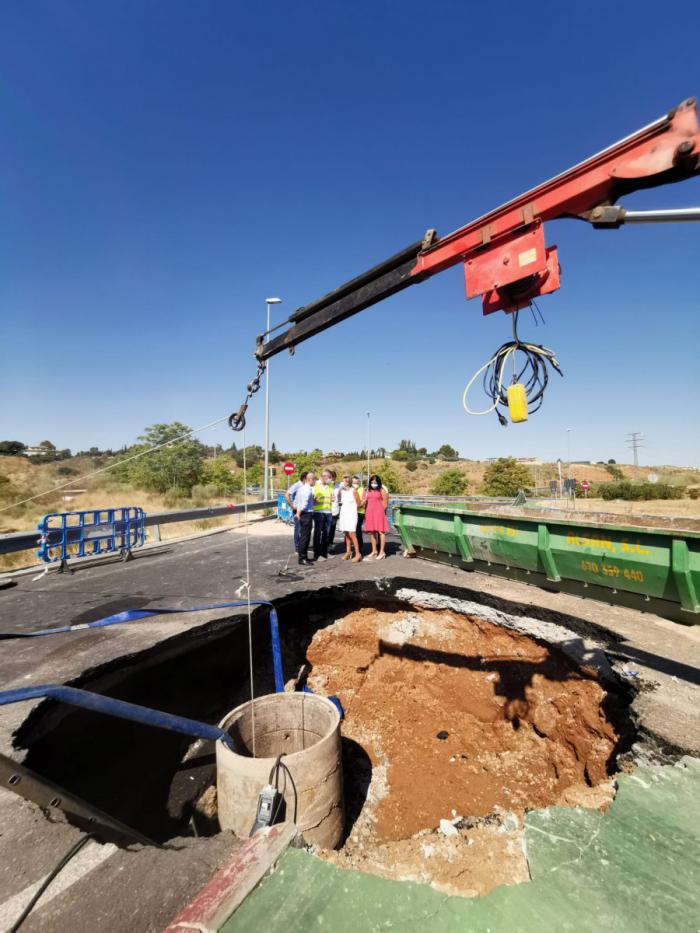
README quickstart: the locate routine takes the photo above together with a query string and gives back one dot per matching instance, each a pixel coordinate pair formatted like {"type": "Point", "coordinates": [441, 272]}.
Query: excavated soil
{"type": "Point", "coordinates": [467, 725]}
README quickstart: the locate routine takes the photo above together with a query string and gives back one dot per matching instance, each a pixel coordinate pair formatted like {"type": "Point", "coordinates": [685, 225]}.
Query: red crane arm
{"type": "Point", "coordinates": [664, 151]}
{"type": "Point", "coordinates": [504, 252]}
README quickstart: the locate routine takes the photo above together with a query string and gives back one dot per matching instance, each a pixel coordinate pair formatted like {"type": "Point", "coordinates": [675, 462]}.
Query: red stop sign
{"type": "Point", "coordinates": [585, 485]}
{"type": "Point", "coordinates": [289, 468]}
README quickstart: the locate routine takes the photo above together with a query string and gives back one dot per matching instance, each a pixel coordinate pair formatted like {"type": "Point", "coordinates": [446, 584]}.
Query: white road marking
{"type": "Point", "coordinates": [92, 855]}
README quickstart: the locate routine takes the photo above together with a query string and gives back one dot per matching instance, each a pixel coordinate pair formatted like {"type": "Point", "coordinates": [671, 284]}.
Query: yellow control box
{"type": "Point", "coordinates": [517, 402]}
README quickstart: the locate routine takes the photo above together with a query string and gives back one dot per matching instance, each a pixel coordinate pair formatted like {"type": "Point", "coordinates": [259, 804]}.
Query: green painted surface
{"type": "Point", "coordinates": [635, 868]}
{"type": "Point", "coordinates": [657, 563]}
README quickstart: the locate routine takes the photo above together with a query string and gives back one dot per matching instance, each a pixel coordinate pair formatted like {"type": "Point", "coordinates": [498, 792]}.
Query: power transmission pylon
{"type": "Point", "coordinates": [635, 440]}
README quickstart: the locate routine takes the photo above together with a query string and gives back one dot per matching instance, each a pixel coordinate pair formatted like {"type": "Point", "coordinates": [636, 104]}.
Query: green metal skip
{"type": "Point", "coordinates": [648, 568]}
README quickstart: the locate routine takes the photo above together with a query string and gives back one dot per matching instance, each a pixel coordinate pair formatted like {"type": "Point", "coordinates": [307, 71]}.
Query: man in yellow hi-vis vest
{"type": "Point", "coordinates": [323, 514]}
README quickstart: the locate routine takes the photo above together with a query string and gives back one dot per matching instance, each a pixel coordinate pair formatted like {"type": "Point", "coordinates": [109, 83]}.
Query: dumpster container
{"type": "Point", "coordinates": [630, 564]}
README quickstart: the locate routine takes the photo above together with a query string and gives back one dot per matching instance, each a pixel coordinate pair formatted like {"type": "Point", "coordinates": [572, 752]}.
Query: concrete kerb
{"type": "Point", "coordinates": [229, 887]}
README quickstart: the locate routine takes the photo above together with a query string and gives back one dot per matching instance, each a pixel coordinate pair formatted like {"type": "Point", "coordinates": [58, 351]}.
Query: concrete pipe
{"type": "Point", "coordinates": [306, 729]}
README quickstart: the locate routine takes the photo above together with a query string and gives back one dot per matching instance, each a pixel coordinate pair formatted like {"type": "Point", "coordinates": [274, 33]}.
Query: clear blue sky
{"type": "Point", "coordinates": [167, 165]}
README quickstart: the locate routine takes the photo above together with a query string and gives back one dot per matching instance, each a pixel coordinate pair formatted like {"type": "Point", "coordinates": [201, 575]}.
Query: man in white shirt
{"type": "Point", "coordinates": [290, 496]}
{"type": "Point", "coordinates": [304, 510]}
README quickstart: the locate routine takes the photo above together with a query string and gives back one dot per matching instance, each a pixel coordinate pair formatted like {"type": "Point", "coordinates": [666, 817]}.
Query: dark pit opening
{"type": "Point", "coordinates": [151, 779]}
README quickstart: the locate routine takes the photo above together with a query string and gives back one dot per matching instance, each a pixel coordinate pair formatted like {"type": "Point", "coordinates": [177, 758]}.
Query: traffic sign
{"type": "Point", "coordinates": [289, 468]}
{"type": "Point", "coordinates": [585, 485]}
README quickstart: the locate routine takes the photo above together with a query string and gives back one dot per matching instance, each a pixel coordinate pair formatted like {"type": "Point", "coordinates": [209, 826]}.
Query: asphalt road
{"type": "Point", "coordinates": [119, 890]}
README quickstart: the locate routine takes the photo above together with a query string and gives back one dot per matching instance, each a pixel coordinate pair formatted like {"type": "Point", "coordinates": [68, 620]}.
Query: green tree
{"type": "Point", "coordinates": [218, 472]}
{"type": "Point", "coordinates": [255, 475]}
{"type": "Point", "coordinates": [450, 483]}
{"type": "Point", "coordinates": [505, 477]}
{"type": "Point", "coordinates": [274, 455]}
{"type": "Point", "coordinates": [177, 463]}
{"type": "Point", "coordinates": [47, 445]}
{"type": "Point", "coordinates": [11, 448]}
{"type": "Point", "coordinates": [304, 461]}
{"type": "Point", "coordinates": [390, 478]}
{"type": "Point", "coordinates": [449, 453]}
{"type": "Point", "coordinates": [253, 454]}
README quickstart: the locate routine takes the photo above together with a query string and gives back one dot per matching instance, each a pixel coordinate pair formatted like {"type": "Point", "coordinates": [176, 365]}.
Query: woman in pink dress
{"type": "Point", "coordinates": [376, 500]}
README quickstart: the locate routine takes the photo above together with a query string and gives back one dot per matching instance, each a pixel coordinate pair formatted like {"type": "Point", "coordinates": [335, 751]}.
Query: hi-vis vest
{"type": "Point", "coordinates": [323, 497]}
{"type": "Point", "coordinates": [361, 492]}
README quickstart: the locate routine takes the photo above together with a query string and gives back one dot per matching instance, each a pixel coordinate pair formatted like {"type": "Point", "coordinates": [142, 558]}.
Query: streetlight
{"type": "Point", "coordinates": [266, 483]}
{"type": "Point", "coordinates": [368, 467]}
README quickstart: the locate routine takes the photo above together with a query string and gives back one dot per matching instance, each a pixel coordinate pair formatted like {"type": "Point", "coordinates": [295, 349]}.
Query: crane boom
{"type": "Point", "coordinates": [504, 253]}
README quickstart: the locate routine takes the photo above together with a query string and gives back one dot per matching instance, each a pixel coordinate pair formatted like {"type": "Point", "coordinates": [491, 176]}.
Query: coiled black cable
{"type": "Point", "coordinates": [532, 373]}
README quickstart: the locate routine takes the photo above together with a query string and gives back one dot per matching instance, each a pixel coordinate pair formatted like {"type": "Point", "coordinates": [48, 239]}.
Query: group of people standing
{"type": "Point", "coordinates": [321, 506]}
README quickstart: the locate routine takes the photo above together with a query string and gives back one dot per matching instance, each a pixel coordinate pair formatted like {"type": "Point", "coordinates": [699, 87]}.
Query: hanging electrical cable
{"type": "Point", "coordinates": [530, 376]}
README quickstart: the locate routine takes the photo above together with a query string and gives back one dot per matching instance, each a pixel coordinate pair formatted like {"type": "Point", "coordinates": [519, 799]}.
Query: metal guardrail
{"type": "Point", "coordinates": [28, 540]}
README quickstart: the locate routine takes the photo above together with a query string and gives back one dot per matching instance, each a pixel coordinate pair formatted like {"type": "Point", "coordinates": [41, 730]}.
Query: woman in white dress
{"type": "Point", "coordinates": [349, 500]}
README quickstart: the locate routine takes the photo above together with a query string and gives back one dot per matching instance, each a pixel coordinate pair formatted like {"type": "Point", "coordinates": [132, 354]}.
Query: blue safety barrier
{"type": "Point", "coordinates": [90, 532]}
{"type": "Point", "coordinates": [119, 708]}
{"type": "Point", "coordinates": [134, 615]}
{"type": "Point", "coordinates": [284, 511]}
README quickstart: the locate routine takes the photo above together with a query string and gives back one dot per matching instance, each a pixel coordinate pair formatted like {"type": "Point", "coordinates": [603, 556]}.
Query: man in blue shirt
{"type": "Point", "coordinates": [304, 510]}
{"type": "Point", "coordinates": [290, 496]}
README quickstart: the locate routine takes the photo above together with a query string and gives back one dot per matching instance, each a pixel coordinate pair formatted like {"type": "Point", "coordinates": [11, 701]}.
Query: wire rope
{"type": "Point", "coordinates": [247, 587]}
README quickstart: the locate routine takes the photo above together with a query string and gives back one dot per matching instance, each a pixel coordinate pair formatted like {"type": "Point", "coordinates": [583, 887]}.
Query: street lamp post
{"type": "Point", "coordinates": [368, 465]}
{"type": "Point", "coordinates": [266, 481]}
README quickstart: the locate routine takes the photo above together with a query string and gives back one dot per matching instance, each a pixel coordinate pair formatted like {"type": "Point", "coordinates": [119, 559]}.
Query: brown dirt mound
{"type": "Point", "coordinates": [460, 718]}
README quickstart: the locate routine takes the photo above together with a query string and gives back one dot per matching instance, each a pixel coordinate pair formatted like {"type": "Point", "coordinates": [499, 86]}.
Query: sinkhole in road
{"type": "Point", "coordinates": [459, 719]}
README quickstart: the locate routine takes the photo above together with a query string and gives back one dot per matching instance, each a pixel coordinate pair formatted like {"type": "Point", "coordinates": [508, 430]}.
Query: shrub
{"type": "Point", "coordinates": [176, 497]}
{"type": "Point", "coordinates": [65, 471]}
{"type": "Point", "coordinates": [450, 483]}
{"type": "Point", "coordinates": [634, 492]}
{"type": "Point", "coordinates": [613, 470]}
{"type": "Point", "coordinates": [202, 493]}
{"type": "Point", "coordinates": [412, 466]}
{"type": "Point", "coordinates": [505, 477]}
{"type": "Point", "coordinates": [694, 492]}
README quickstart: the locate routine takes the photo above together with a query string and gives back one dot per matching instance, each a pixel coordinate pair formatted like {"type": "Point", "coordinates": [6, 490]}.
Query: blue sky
{"type": "Point", "coordinates": [168, 165]}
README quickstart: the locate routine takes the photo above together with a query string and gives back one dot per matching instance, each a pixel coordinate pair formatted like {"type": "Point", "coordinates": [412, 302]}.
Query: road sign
{"type": "Point", "coordinates": [289, 468]}
{"type": "Point", "coordinates": [585, 485]}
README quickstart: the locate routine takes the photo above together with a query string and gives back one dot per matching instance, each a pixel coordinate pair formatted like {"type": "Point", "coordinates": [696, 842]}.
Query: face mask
{"type": "Point", "coordinates": [374, 485]}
